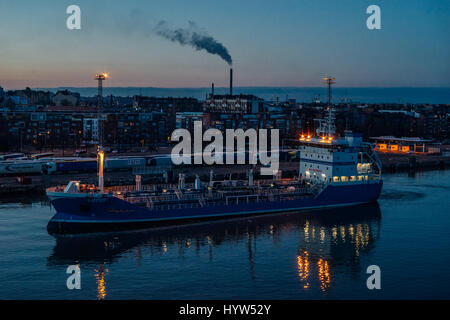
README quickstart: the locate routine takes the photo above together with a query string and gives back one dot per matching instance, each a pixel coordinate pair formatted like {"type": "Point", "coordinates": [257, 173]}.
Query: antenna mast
{"type": "Point", "coordinates": [331, 128]}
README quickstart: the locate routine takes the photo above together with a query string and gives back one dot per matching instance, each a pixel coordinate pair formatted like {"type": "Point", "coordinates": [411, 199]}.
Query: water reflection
{"type": "Point", "coordinates": [328, 242]}
{"type": "Point", "coordinates": [303, 267]}
{"type": "Point", "coordinates": [101, 283]}
{"type": "Point", "coordinates": [323, 274]}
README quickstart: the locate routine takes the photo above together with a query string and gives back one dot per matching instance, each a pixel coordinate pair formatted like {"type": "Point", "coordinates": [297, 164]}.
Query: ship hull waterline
{"type": "Point", "coordinates": [84, 215]}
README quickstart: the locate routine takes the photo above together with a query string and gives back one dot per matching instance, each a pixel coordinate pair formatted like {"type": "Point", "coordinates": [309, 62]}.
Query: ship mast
{"type": "Point", "coordinates": [331, 128]}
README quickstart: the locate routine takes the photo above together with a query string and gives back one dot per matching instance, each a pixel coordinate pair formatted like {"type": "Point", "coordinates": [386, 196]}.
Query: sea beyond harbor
{"type": "Point", "coordinates": [419, 95]}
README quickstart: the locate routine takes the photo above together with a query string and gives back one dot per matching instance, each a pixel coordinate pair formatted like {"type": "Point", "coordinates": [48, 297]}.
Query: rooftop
{"type": "Point", "coordinates": [402, 139]}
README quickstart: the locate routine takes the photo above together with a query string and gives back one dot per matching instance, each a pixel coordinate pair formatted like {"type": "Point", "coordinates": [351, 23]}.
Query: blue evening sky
{"type": "Point", "coordinates": [272, 43]}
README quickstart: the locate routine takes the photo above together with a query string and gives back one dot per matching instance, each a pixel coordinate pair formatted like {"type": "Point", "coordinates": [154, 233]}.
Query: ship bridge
{"type": "Point", "coordinates": [329, 160]}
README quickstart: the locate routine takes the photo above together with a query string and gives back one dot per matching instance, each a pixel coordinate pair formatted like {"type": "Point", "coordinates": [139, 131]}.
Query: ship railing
{"type": "Point", "coordinates": [218, 197]}
{"type": "Point", "coordinates": [129, 188]}
{"type": "Point", "coordinates": [244, 198]}
{"type": "Point", "coordinates": [161, 198]}
{"type": "Point", "coordinates": [285, 192]}
{"type": "Point", "coordinates": [178, 195]}
{"type": "Point", "coordinates": [132, 188]}
{"type": "Point", "coordinates": [184, 197]}
{"type": "Point", "coordinates": [83, 189]}
{"type": "Point", "coordinates": [268, 183]}
{"type": "Point", "coordinates": [154, 203]}
{"type": "Point", "coordinates": [280, 196]}
{"type": "Point", "coordinates": [170, 198]}
{"type": "Point", "coordinates": [209, 197]}
{"type": "Point", "coordinates": [265, 182]}
{"type": "Point", "coordinates": [232, 192]}
{"type": "Point", "coordinates": [171, 206]}
{"type": "Point", "coordinates": [276, 191]}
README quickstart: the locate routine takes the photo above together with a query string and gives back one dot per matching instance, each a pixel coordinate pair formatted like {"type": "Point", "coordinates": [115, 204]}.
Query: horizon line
{"type": "Point", "coordinates": [227, 87]}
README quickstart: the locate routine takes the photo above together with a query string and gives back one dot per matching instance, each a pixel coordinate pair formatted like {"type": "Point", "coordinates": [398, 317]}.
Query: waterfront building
{"type": "Point", "coordinates": [403, 145]}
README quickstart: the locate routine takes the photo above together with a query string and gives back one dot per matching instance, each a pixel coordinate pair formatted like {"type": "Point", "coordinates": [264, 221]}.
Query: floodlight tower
{"type": "Point", "coordinates": [331, 128]}
{"type": "Point", "coordinates": [100, 77]}
{"type": "Point", "coordinates": [100, 153]}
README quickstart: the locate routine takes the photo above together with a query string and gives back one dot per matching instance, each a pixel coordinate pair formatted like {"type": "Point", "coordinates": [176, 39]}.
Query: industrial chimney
{"type": "Point", "coordinates": [231, 81]}
{"type": "Point", "coordinates": [212, 90]}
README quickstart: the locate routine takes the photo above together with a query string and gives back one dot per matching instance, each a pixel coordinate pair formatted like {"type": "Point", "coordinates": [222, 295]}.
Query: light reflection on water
{"type": "Point", "coordinates": [324, 240]}
{"type": "Point", "coordinates": [101, 284]}
{"type": "Point", "coordinates": [318, 266]}
{"type": "Point", "coordinates": [313, 255]}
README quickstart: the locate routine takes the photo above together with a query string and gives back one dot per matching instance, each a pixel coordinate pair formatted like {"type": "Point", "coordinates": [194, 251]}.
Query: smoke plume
{"type": "Point", "coordinates": [192, 37]}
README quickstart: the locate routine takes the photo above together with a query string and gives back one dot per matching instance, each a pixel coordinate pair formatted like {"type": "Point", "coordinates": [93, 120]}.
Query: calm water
{"type": "Point", "coordinates": [297, 256]}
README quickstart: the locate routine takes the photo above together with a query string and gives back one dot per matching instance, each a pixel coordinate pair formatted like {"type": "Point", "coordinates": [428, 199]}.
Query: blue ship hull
{"type": "Point", "coordinates": [76, 215]}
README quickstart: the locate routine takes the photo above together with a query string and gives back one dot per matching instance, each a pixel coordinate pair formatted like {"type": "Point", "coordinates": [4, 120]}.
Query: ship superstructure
{"type": "Point", "coordinates": [330, 160]}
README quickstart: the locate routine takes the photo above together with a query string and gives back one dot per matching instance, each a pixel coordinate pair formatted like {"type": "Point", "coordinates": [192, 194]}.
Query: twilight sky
{"type": "Point", "coordinates": [272, 43]}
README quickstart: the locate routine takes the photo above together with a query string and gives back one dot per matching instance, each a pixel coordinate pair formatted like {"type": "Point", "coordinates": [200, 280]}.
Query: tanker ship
{"type": "Point", "coordinates": [333, 171]}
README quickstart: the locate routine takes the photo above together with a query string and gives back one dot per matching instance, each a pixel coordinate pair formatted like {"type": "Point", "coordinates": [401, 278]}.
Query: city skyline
{"type": "Point", "coordinates": [272, 44]}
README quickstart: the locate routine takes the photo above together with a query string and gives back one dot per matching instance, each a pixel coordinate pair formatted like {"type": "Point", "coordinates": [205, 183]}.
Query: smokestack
{"type": "Point", "coordinates": [212, 90]}
{"type": "Point", "coordinates": [231, 81]}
